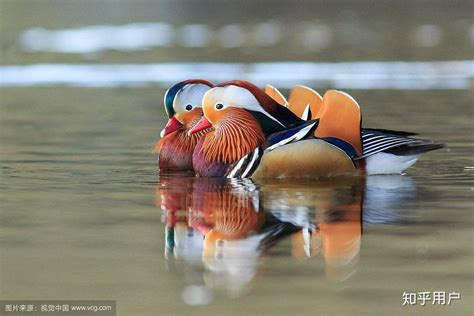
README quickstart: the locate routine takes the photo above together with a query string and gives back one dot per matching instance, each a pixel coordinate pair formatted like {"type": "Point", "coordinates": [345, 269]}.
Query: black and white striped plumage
{"type": "Point", "coordinates": [245, 167]}
{"type": "Point", "coordinates": [392, 152]}
{"type": "Point", "coordinates": [398, 143]}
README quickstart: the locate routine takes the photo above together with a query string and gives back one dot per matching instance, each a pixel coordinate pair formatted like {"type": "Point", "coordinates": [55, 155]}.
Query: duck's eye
{"type": "Point", "coordinates": [219, 106]}
{"type": "Point", "coordinates": [189, 107]}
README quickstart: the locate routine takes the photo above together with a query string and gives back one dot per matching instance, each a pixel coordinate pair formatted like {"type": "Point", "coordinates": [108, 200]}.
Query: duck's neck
{"type": "Point", "coordinates": [235, 136]}
{"type": "Point", "coordinates": [176, 149]}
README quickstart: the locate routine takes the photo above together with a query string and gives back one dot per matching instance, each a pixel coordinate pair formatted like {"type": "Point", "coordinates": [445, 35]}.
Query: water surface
{"type": "Point", "coordinates": [86, 215]}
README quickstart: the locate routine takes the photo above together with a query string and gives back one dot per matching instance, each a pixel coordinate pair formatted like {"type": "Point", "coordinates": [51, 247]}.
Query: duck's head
{"type": "Point", "coordinates": [183, 104]}
{"type": "Point", "coordinates": [240, 102]}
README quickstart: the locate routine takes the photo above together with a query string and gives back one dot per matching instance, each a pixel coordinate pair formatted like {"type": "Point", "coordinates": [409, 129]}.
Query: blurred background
{"type": "Point", "coordinates": [81, 90]}
{"type": "Point", "coordinates": [172, 31]}
{"type": "Point", "coordinates": [164, 41]}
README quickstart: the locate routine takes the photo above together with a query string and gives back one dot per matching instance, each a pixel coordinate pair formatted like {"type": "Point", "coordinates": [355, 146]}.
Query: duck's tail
{"type": "Point", "coordinates": [394, 142]}
{"type": "Point", "coordinates": [392, 152]}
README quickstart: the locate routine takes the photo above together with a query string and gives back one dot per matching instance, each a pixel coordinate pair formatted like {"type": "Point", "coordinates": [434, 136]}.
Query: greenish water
{"type": "Point", "coordinates": [81, 214]}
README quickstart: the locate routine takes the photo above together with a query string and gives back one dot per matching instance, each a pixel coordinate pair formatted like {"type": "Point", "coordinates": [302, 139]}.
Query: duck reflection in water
{"type": "Point", "coordinates": [237, 229]}
{"type": "Point", "coordinates": [173, 196]}
{"type": "Point", "coordinates": [229, 225]}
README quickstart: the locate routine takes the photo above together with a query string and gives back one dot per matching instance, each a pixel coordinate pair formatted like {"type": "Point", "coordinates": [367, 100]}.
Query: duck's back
{"type": "Point", "coordinates": [305, 158]}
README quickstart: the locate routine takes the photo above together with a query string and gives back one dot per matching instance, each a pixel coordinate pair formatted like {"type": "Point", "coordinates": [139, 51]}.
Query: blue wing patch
{"type": "Point", "coordinates": [290, 135]}
{"type": "Point", "coordinates": [339, 143]}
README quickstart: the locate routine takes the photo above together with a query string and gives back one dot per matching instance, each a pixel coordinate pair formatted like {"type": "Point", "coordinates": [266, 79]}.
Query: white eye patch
{"type": "Point", "coordinates": [191, 94]}
{"type": "Point", "coordinates": [237, 97]}
{"type": "Point", "coordinates": [233, 95]}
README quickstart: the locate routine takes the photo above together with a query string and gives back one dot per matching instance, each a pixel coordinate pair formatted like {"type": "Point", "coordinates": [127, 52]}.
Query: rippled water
{"type": "Point", "coordinates": [86, 215]}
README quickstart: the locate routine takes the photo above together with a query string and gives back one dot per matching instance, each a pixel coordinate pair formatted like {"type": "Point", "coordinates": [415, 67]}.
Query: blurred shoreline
{"type": "Point", "coordinates": [395, 75]}
{"type": "Point", "coordinates": [226, 31]}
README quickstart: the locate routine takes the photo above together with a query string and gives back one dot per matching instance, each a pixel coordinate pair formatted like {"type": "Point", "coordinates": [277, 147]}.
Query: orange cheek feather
{"type": "Point", "coordinates": [187, 118]}
{"type": "Point", "coordinates": [236, 134]}
{"type": "Point", "coordinates": [210, 114]}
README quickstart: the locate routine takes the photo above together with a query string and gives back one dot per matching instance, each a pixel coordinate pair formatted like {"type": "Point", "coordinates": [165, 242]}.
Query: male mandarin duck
{"type": "Point", "coordinates": [255, 136]}
{"type": "Point", "coordinates": [183, 105]}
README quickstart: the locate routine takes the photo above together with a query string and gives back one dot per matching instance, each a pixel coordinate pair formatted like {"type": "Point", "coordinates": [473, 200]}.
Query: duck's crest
{"type": "Point", "coordinates": [272, 116]}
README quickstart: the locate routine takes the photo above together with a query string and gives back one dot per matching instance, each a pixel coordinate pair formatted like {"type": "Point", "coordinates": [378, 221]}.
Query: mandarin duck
{"type": "Point", "coordinates": [255, 136]}
{"type": "Point", "coordinates": [183, 106]}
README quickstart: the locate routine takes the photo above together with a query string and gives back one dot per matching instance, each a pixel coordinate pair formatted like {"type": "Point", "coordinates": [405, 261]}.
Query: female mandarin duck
{"type": "Point", "coordinates": [255, 136]}
{"type": "Point", "coordinates": [183, 106]}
